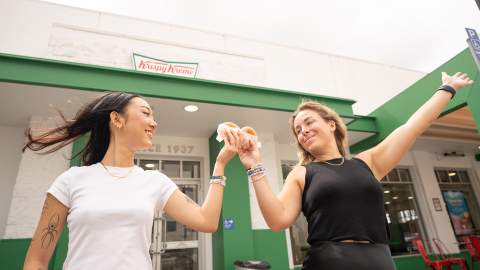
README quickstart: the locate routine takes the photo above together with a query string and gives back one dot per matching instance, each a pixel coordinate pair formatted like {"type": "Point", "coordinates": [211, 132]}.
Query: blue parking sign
{"type": "Point", "coordinates": [474, 44]}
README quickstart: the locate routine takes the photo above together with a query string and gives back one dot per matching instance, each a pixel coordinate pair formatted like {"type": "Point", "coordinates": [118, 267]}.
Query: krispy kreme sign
{"type": "Point", "coordinates": [149, 64]}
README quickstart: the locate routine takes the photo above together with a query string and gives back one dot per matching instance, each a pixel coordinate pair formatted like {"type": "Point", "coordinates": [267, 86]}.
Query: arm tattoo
{"type": "Point", "coordinates": [50, 232]}
{"type": "Point", "coordinates": [190, 200]}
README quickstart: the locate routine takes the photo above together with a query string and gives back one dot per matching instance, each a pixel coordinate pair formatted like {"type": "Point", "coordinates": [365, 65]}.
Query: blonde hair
{"type": "Point", "coordinates": [328, 115]}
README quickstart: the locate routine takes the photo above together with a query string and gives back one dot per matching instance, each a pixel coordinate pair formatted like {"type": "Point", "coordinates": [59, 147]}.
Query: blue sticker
{"type": "Point", "coordinates": [228, 224]}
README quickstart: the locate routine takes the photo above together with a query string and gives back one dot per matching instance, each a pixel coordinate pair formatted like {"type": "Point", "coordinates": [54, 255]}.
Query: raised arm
{"type": "Point", "coordinates": [49, 228]}
{"type": "Point", "coordinates": [280, 211]}
{"type": "Point", "coordinates": [203, 218]}
{"type": "Point", "coordinates": [386, 155]}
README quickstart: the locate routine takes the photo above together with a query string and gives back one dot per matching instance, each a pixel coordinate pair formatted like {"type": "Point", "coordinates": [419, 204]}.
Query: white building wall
{"type": "Point", "coordinates": [11, 142]}
{"type": "Point", "coordinates": [35, 175]}
{"type": "Point", "coordinates": [92, 37]}
{"type": "Point", "coordinates": [269, 153]}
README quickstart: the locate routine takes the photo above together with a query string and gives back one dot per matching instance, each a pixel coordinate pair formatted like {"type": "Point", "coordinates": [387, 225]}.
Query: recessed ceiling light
{"type": "Point", "coordinates": [387, 202]}
{"type": "Point", "coordinates": [410, 197]}
{"type": "Point", "coordinates": [452, 173]}
{"type": "Point", "coordinates": [395, 197]}
{"type": "Point", "coordinates": [149, 165]}
{"type": "Point", "coordinates": [386, 191]}
{"type": "Point", "coordinates": [191, 108]}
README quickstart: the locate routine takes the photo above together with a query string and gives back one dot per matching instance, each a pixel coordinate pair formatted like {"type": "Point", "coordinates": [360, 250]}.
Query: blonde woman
{"type": "Point", "coordinates": [341, 198]}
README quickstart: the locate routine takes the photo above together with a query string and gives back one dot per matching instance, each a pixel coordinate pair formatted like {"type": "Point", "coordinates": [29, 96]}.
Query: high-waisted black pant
{"type": "Point", "coordinates": [348, 256]}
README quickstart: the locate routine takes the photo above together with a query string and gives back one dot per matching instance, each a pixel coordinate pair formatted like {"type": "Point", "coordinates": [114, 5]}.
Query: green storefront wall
{"type": "Point", "coordinates": [241, 242]}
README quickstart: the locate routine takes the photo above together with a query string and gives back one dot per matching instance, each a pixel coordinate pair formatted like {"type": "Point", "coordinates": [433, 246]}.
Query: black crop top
{"type": "Point", "coordinates": [343, 203]}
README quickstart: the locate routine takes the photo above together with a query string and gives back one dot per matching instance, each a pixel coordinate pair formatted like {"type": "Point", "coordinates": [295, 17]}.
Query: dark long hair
{"type": "Point", "coordinates": [93, 119]}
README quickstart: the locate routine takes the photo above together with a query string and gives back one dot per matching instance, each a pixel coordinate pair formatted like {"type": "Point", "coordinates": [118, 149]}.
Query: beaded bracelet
{"type": "Point", "coordinates": [258, 177]}
{"type": "Point", "coordinates": [218, 179]}
{"type": "Point", "coordinates": [255, 170]}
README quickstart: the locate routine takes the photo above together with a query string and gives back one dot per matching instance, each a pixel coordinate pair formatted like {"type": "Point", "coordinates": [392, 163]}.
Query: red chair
{"type": "Point", "coordinates": [442, 249]}
{"type": "Point", "coordinates": [438, 264]}
{"type": "Point", "coordinates": [473, 246]}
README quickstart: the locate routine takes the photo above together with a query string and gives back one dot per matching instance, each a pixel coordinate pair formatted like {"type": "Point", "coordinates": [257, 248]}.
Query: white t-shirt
{"type": "Point", "coordinates": [110, 219]}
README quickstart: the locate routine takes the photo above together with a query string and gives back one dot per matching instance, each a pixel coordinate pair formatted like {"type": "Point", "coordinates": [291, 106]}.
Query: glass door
{"type": "Point", "coordinates": [174, 246]}
{"type": "Point", "coordinates": [460, 200]}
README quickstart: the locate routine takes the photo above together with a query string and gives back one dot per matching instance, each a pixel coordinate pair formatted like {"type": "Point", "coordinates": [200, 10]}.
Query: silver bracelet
{"type": "Point", "coordinates": [218, 179]}
{"type": "Point", "coordinates": [258, 177]}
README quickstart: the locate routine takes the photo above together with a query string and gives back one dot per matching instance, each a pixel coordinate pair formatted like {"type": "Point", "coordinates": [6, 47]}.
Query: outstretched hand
{"type": "Point", "coordinates": [229, 150]}
{"type": "Point", "coordinates": [457, 81]}
{"type": "Point", "coordinates": [235, 143]}
{"type": "Point", "coordinates": [248, 153]}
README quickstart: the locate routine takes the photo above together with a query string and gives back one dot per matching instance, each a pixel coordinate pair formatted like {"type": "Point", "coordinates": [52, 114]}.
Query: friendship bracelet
{"type": "Point", "coordinates": [257, 169]}
{"type": "Point", "coordinates": [256, 179]}
{"type": "Point", "coordinates": [448, 88]}
{"type": "Point", "coordinates": [218, 179]}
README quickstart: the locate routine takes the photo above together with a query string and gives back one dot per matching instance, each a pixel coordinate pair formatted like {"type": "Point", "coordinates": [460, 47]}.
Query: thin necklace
{"type": "Point", "coordinates": [335, 164]}
{"type": "Point", "coordinates": [117, 176]}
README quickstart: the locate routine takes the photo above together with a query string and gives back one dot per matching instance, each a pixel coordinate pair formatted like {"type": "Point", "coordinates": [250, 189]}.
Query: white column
{"type": "Point", "coordinates": [11, 142]}
{"type": "Point", "coordinates": [35, 175]}
{"type": "Point", "coordinates": [270, 161]}
{"type": "Point", "coordinates": [438, 222]}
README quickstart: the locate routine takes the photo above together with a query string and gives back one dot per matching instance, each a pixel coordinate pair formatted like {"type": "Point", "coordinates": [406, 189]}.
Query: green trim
{"type": "Point", "coordinates": [271, 247]}
{"type": "Point", "coordinates": [242, 242]}
{"type": "Point", "coordinates": [237, 243]}
{"type": "Point", "coordinates": [363, 124]}
{"type": "Point", "coordinates": [217, 237]}
{"type": "Point", "coordinates": [397, 110]}
{"type": "Point", "coordinates": [13, 253]}
{"type": "Point", "coordinates": [416, 261]}
{"type": "Point", "coordinates": [21, 69]}
{"type": "Point", "coordinates": [451, 109]}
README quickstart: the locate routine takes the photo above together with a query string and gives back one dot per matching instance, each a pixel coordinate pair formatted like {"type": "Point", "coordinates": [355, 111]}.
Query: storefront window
{"type": "Point", "coordinates": [174, 245]}
{"type": "Point", "coordinates": [460, 201]}
{"type": "Point", "coordinates": [401, 211]}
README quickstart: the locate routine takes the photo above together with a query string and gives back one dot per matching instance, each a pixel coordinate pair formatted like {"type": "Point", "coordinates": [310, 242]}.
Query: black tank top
{"type": "Point", "coordinates": [343, 203]}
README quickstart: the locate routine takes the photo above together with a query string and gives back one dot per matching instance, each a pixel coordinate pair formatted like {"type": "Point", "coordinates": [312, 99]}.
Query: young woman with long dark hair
{"type": "Point", "coordinates": [341, 198]}
{"type": "Point", "coordinates": [109, 203]}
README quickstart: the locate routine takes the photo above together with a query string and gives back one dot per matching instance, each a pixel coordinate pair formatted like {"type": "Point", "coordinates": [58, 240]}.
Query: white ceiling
{"type": "Point", "coordinates": [442, 145]}
{"type": "Point", "coordinates": [412, 34]}
{"type": "Point", "coordinates": [18, 102]}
